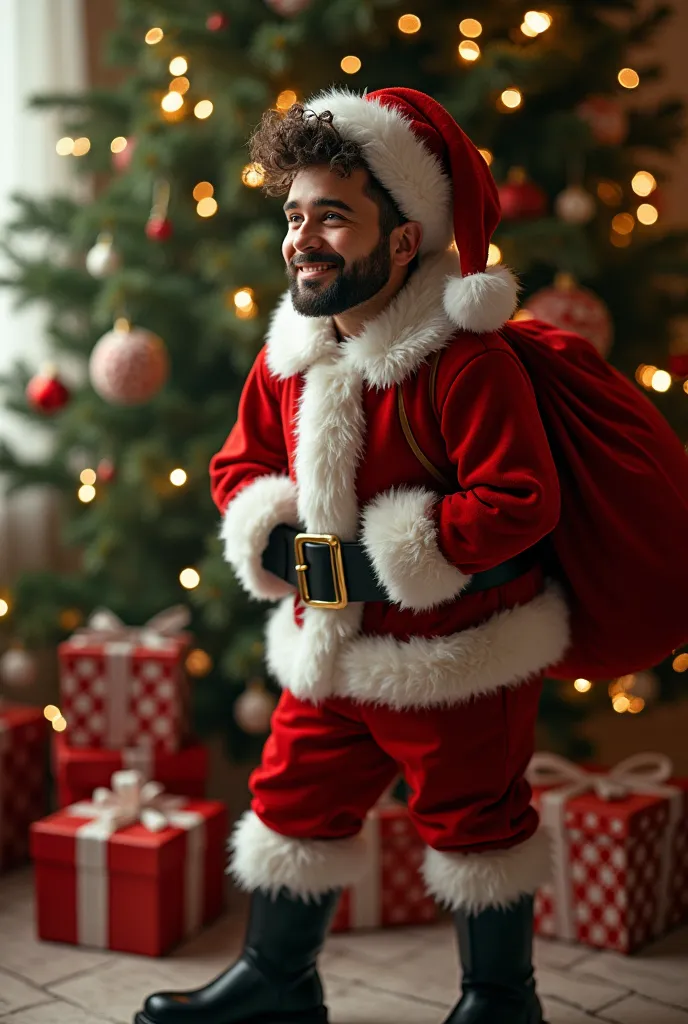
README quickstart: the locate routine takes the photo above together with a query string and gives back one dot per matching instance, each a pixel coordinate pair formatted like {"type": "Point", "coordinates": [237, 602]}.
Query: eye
{"type": "Point", "coordinates": [290, 219]}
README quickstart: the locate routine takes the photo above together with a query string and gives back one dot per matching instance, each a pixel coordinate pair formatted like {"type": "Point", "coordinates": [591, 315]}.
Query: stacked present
{"type": "Point", "coordinates": [620, 850]}
{"type": "Point", "coordinates": [122, 865]}
{"type": "Point", "coordinates": [22, 779]}
{"type": "Point", "coordinates": [391, 891]}
{"type": "Point", "coordinates": [124, 695]}
{"type": "Point", "coordinates": [132, 869]}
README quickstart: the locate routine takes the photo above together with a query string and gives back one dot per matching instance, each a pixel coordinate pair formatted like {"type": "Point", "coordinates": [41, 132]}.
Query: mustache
{"type": "Point", "coordinates": [302, 261]}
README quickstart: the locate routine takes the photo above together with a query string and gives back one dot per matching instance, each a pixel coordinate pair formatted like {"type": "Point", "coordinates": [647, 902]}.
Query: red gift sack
{"type": "Point", "coordinates": [620, 543]}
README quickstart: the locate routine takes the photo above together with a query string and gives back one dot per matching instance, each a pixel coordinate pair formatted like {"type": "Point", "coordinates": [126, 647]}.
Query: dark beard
{"type": "Point", "coordinates": [349, 288]}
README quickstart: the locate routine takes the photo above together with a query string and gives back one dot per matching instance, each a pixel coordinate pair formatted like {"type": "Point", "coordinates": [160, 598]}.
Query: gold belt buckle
{"type": "Point", "coordinates": [341, 599]}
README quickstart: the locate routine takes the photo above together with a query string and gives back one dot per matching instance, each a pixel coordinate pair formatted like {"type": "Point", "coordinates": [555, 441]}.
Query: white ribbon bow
{"type": "Point", "coordinates": [104, 626]}
{"type": "Point", "coordinates": [130, 801]}
{"type": "Point", "coordinates": [641, 773]}
{"type": "Point", "coordinates": [644, 774]}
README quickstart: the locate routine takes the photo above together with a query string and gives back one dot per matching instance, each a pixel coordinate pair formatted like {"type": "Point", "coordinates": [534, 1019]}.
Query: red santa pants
{"type": "Point", "coordinates": [324, 767]}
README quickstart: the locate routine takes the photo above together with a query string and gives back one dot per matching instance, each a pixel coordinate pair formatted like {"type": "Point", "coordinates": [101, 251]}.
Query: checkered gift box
{"type": "Point", "coordinates": [122, 686]}
{"type": "Point", "coordinates": [23, 732]}
{"type": "Point", "coordinates": [620, 846]}
{"type": "Point", "coordinates": [391, 892]}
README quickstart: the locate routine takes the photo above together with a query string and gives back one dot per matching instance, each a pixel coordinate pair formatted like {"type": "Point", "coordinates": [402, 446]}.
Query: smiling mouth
{"type": "Point", "coordinates": [311, 271]}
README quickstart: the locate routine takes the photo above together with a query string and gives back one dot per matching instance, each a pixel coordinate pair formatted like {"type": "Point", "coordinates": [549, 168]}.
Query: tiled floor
{"type": "Point", "coordinates": [407, 976]}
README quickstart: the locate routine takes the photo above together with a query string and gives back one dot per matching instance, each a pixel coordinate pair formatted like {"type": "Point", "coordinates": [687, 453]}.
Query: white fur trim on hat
{"type": "Point", "coordinates": [401, 541]}
{"type": "Point", "coordinates": [398, 158]}
{"type": "Point", "coordinates": [264, 859]}
{"type": "Point", "coordinates": [512, 646]}
{"type": "Point", "coordinates": [472, 882]}
{"type": "Point", "coordinates": [246, 526]}
{"type": "Point", "coordinates": [481, 302]}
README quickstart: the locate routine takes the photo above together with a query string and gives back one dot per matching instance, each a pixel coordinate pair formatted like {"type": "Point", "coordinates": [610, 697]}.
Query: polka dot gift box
{"type": "Point", "coordinates": [619, 851]}
{"type": "Point", "coordinates": [124, 686]}
{"type": "Point", "coordinates": [391, 892]}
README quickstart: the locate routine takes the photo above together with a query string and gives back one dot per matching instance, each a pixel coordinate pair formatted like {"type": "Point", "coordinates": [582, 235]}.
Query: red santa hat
{"type": "Point", "coordinates": [437, 177]}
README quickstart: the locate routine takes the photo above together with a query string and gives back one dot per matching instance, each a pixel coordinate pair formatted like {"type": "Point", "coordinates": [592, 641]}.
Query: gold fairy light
{"type": "Point", "coordinates": [647, 375]}
{"type": "Point", "coordinates": [647, 213]}
{"type": "Point", "coordinates": [153, 36]}
{"type": "Point", "coordinates": [629, 78]}
{"type": "Point", "coordinates": [178, 477]}
{"type": "Point", "coordinates": [286, 99]}
{"type": "Point", "coordinates": [179, 66]}
{"type": "Point", "coordinates": [81, 146]}
{"type": "Point", "coordinates": [64, 146]}
{"type": "Point", "coordinates": [4, 607]}
{"type": "Point", "coordinates": [643, 183]}
{"type": "Point", "coordinates": [582, 685]}
{"type": "Point", "coordinates": [408, 24]}
{"type": "Point", "coordinates": [119, 144]}
{"type": "Point", "coordinates": [172, 101]}
{"type": "Point", "coordinates": [189, 578]}
{"type": "Point", "coordinates": [88, 476]}
{"type": "Point", "coordinates": [203, 190]}
{"type": "Point", "coordinates": [623, 223]}
{"type": "Point", "coordinates": [243, 299]}
{"type": "Point", "coordinates": [487, 156]}
{"type": "Point", "coordinates": [680, 663]}
{"type": "Point", "coordinates": [537, 21]}
{"type": "Point", "coordinates": [512, 98]}
{"type": "Point", "coordinates": [471, 28]}
{"type": "Point", "coordinates": [180, 85]}
{"type": "Point", "coordinates": [350, 65]}
{"type": "Point", "coordinates": [621, 703]}
{"type": "Point", "coordinates": [468, 50]}
{"type": "Point", "coordinates": [494, 255]}
{"type": "Point", "coordinates": [86, 493]}
{"type": "Point", "coordinates": [203, 109]}
{"type": "Point", "coordinates": [253, 175]}
{"type": "Point", "coordinates": [610, 193]}
{"type": "Point", "coordinates": [207, 207]}
{"type": "Point", "coordinates": [661, 381]}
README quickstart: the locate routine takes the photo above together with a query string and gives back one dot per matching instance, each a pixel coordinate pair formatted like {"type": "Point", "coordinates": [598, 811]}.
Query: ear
{"type": "Point", "coordinates": [405, 242]}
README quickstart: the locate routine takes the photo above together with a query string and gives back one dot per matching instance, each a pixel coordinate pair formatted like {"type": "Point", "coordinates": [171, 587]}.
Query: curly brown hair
{"type": "Point", "coordinates": [283, 144]}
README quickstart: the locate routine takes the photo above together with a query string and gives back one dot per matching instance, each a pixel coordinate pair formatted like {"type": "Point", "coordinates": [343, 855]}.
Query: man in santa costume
{"type": "Point", "coordinates": [414, 620]}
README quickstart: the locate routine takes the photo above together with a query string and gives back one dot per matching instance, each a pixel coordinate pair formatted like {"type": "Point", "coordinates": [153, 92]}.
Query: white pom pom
{"type": "Point", "coordinates": [481, 302]}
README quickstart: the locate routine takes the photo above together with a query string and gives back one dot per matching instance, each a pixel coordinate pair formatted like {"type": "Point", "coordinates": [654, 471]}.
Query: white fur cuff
{"type": "Point", "coordinates": [246, 527]}
{"type": "Point", "coordinates": [401, 541]}
{"type": "Point", "coordinates": [472, 882]}
{"type": "Point", "coordinates": [263, 859]}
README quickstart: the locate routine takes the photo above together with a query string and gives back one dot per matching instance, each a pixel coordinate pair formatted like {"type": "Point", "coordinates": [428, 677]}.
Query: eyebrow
{"type": "Point", "coordinates": [293, 204]}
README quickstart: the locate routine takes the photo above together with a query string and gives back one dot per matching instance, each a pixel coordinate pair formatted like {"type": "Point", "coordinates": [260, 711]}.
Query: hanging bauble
{"type": "Point", "coordinates": [105, 471]}
{"type": "Point", "coordinates": [288, 8]}
{"type": "Point", "coordinates": [572, 308]}
{"type": "Point", "coordinates": [102, 260]}
{"type": "Point", "coordinates": [217, 22]}
{"type": "Point", "coordinates": [18, 668]}
{"type": "Point", "coordinates": [606, 117]}
{"type": "Point", "coordinates": [128, 366]}
{"type": "Point", "coordinates": [46, 393]}
{"type": "Point", "coordinates": [575, 205]}
{"type": "Point", "coordinates": [121, 158]}
{"type": "Point", "coordinates": [159, 229]}
{"type": "Point", "coordinates": [253, 708]}
{"type": "Point", "coordinates": [521, 198]}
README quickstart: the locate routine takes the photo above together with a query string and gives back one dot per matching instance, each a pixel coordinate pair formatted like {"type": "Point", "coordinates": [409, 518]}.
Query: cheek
{"type": "Point", "coordinates": [287, 248]}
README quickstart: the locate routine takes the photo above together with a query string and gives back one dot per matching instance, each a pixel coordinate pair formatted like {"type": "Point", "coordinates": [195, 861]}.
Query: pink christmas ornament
{"type": "Point", "coordinates": [572, 308]}
{"type": "Point", "coordinates": [288, 8]}
{"type": "Point", "coordinates": [253, 708]}
{"type": "Point", "coordinates": [129, 366]}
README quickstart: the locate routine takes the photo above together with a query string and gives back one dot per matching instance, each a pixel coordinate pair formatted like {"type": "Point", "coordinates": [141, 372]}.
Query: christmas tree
{"type": "Point", "coordinates": [162, 285]}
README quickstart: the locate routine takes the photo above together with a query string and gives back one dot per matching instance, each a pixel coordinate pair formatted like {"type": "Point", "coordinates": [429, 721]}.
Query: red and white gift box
{"type": "Point", "coordinates": [391, 892]}
{"type": "Point", "coordinates": [133, 870]}
{"type": "Point", "coordinates": [620, 850]}
{"type": "Point", "coordinates": [79, 770]}
{"type": "Point", "coordinates": [23, 764]}
{"type": "Point", "coordinates": [124, 686]}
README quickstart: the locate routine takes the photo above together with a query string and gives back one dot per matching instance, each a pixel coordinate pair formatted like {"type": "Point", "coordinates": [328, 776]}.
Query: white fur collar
{"type": "Point", "coordinates": [389, 348]}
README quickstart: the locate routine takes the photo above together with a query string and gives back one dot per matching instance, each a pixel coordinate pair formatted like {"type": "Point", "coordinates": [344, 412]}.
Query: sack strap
{"type": "Point", "coordinates": [449, 485]}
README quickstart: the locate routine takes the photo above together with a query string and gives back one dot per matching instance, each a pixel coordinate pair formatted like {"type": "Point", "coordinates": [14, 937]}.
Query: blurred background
{"type": "Point", "coordinates": [140, 260]}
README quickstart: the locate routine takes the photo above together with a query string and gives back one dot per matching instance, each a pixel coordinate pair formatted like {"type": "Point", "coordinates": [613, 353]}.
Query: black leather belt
{"type": "Point", "coordinates": [330, 573]}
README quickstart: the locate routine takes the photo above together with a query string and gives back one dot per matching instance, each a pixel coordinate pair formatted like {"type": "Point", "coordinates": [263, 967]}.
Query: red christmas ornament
{"type": "Point", "coordinates": [121, 160]}
{"type": "Point", "coordinates": [46, 393]}
{"type": "Point", "coordinates": [678, 364]}
{"type": "Point", "coordinates": [159, 229]}
{"type": "Point", "coordinates": [521, 198]}
{"type": "Point", "coordinates": [572, 308]}
{"type": "Point", "coordinates": [106, 471]}
{"type": "Point", "coordinates": [606, 117]}
{"type": "Point", "coordinates": [217, 22]}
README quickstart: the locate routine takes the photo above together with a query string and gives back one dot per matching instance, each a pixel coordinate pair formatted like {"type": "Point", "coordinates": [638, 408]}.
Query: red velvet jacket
{"type": "Point", "coordinates": [319, 443]}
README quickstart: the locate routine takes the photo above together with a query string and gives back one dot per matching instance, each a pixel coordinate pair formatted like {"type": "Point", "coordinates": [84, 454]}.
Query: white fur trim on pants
{"type": "Point", "coordinates": [472, 882]}
{"type": "Point", "coordinates": [401, 541]}
{"type": "Point", "coordinates": [246, 526]}
{"type": "Point", "coordinates": [510, 647]}
{"type": "Point", "coordinates": [265, 860]}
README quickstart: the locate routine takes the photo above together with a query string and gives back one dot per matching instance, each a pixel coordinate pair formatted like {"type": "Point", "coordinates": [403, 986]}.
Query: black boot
{"type": "Point", "coordinates": [274, 981]}
{"type": "Point", "coordinates": [496, 950]}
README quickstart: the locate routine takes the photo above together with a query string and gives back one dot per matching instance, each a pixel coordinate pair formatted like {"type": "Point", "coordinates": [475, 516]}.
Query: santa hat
{"type": "Point", "coordinates": [437, 177]}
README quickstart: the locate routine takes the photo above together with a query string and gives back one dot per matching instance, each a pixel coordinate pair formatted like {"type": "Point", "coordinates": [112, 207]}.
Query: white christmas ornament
{"type": "Point", "coordinates": [253, 709]}
{"type": "Point", "coordinates": [575, 206]}
{"type": "Point", "coordinates": [18, 668]}
{"type": "Point", "coordinates": [288, 8]}
{"type": "Point", "coordinates": [128, 366]}
{"type": "Point", "coordinates": [102, 260]}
